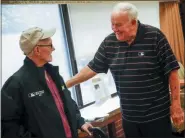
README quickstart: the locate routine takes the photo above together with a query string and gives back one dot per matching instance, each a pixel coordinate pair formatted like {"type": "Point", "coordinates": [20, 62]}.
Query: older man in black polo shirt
{"type": "Point", "coordinates": [143, 65]}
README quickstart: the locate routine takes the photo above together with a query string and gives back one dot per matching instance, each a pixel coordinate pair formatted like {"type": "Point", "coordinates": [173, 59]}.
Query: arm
{"type": "Point", "coordinates": [177, 113]}
{"type": "Point", "coordinates": [169, 65]}
{"type": "Point", "coordinates": [175, 88]}
{"type": "Point", "coordinates": [85, 74]}
{"type": "Point", "coordinates": [99, 64]}
{"type": "Point", "coordinates": [11, 109]}
{"type": "Point", "coordinates": [80, 120]}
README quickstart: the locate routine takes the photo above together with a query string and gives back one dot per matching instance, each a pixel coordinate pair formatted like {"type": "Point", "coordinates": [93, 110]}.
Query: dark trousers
{"type": "Point", "coordinates": [160, 128]}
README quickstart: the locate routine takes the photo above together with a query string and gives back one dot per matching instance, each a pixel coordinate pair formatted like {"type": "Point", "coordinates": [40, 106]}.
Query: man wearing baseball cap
{"type": "Point", "coordinates": [35, 97]}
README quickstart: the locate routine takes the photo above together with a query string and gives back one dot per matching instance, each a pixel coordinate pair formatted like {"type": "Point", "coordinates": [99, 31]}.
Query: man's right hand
{"type": "Point", "coordinates": [85, 74]}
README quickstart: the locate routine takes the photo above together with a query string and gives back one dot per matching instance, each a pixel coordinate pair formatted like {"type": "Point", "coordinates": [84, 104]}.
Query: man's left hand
{"type": "Point", "coordinates": [177, 115]}
{"type": "Point", "coordinates": [85, 127]}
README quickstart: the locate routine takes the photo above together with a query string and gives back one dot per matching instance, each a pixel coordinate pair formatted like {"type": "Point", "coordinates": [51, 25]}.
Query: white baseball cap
{"type": "Point", "coordinates": [30, 37]}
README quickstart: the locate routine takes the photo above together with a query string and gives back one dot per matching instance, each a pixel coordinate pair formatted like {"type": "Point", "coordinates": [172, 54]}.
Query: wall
{"type": "Point", "coordinates": [91, 22]}
{"type": "Point", "coordinates": [15, 19]}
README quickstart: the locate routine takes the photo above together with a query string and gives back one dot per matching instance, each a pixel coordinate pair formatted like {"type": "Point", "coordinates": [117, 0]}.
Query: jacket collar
{"type": "Point", "coordinates": [140, 32]}
{"type": "Point", "coordinates": [38, 72]}
{"type": "Point", "coordinates": [32, 66]}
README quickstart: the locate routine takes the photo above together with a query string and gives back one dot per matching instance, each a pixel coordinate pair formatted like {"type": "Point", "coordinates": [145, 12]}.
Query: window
{"type": "Point", "coordinates": [90, 24]}
{"type": "Point", "coordinates": [89, 27]}
{"type": "Point", "coordinates": [15, 19]}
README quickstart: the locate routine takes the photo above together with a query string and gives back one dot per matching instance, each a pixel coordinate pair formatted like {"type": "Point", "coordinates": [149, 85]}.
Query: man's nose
{"type": "Point", "coordinates": [53, 48]}
{"type": "Point", "coordinates": [115, 29]}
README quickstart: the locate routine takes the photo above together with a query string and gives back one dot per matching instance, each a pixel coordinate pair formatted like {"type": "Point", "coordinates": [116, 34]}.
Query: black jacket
{"type": "Point", "coordinates": [27, 102]}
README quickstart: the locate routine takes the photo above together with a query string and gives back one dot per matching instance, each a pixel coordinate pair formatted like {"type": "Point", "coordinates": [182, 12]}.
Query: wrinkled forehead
{"type": "Point", "coordinates": [45, 41]}
{"type": "Point", "coordinates": [119, 16]}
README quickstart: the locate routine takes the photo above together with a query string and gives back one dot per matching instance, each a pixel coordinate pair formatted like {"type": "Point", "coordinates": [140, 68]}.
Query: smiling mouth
{"type": "Point", "coordinates": [118, 34]}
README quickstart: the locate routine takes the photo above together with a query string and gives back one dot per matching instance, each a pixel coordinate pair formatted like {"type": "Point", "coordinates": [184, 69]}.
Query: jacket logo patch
{"type": "Point", "coordinates": [63, 87]}
{"type": "Point", "coordinates": [33, 94]}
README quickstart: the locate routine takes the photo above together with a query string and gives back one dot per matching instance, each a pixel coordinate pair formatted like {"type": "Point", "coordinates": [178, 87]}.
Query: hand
{"type": "Point", "coordinates": [85, 127]}
{"type": "Point", "coordinates": [177, 115]}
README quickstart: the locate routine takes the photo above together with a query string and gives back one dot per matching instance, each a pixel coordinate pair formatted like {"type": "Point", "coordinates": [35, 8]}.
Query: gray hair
{"type": "Point", "coordinates": [127, 7]}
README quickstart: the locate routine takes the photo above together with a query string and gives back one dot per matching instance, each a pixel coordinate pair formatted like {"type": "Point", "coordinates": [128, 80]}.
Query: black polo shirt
{"type": "Point", "coordinates": [140, 72]}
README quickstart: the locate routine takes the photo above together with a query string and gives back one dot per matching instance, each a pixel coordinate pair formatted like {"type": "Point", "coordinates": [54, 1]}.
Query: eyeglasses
{"type": "Point", "coordinates": [51, 46]}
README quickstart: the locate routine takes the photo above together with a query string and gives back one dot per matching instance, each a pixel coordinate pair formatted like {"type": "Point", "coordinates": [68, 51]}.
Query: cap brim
{"type": "Point", "coordinates": [48, 33]}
